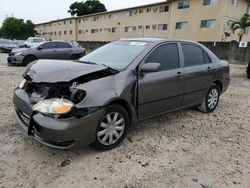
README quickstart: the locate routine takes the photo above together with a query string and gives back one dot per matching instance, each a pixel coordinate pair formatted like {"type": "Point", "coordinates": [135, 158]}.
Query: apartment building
{"type": "Point", "coordinates": [198, 20]}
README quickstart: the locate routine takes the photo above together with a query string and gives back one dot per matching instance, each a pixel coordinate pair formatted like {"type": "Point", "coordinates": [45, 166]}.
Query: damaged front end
{"type": "Point", "coordinates": [50, 111]}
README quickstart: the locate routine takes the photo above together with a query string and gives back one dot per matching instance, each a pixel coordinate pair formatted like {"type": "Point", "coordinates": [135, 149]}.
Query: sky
{"type": "Point", "coordinates": [46, 10]}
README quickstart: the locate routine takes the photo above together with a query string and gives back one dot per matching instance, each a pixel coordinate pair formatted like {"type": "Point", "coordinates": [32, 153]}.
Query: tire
{"type": "Point", "coordinates": [211, 99]}
{"type": "Point", "coordinates": [113, 113]}
{"type": "Point", "coordinates": [29, 59]}
{"type": "Point", "coordinates": [75, 57]}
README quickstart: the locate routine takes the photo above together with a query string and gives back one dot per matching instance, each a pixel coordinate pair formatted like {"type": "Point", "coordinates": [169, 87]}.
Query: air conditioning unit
{"type": "Point", "coordinates": [243, 44]}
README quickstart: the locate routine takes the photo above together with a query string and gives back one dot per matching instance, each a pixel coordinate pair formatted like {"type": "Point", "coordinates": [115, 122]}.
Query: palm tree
{"type": "Point", "coordinates": [242, 25]}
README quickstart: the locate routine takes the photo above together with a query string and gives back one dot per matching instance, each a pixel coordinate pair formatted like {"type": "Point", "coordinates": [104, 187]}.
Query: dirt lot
{"type": "Point", "coordinates": [181, 149]}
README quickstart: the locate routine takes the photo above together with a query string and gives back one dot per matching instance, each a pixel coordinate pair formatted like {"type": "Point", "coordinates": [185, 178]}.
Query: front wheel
{"type": "Point", "coordinates": [211, 99]}
{"type": "Point", "coordinates": [29, 59]}
{"type": "Point", "coordinates": [112, 128]}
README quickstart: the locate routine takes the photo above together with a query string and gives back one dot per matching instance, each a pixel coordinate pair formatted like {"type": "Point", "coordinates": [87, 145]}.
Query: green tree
{"type": "Point", "coordinates": [87, 7]}
{"type": "Point", "coordinates": [241, 25]}
{"type": "Point", "coordinates": [14, 28]}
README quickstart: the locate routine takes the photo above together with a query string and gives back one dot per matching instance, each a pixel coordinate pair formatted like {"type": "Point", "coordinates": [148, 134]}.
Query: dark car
{"type": "Point", "coordinates": [7, 45]}
{"type": "Point", "coordinates": [94, 100]}
{"type": "Point", "coordinates": [45, 50]}
{"type": "Point", "coordinates": [20, 43]}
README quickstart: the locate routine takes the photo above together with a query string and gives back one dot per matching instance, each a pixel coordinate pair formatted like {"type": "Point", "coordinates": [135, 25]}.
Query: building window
{"type": "Point", "coordinates": [140, 27]}
{"type": "Point", "coordinates": [130, 13]}
{"type": "Point", "coordinates": [148, 9]}
{"type": "Point", "coordinates": [234, 3]}
{"type": "Point", "coordinates": [155, 9]}
{"type": "Point", "coordinates": [70, 32]}
{"type": "Point", "coordinates": [63, 22]}
{"type": "Point", "coordinates": [114, 29]}
{"type": "Point", "coordinates": [162, 26]}
{"type": "Point", "coordinates": [94, 30]}
{"type": "Point", "coordinates": [207, 23]}
{"type": "Point", "coordinates": [181, 25]}
{"type": "Point", "coordinates": [140, 11]}
{"type": "Point", "coordinates": [209, 2]}
{"type": "Point", "coordinates": [128, 29]}
{"type": "Point", "coordinates": [55, 33]}
{"type": "Point", "coordinates": [80, 20]}
{"type": "Point", "coordinates": [164, 9]}
{"type": "Point", "coordinates": [59, 32]}
{"type": "Point", "coordinates": [147, 26]}
{"type": "Point", "coordinates": [70, 21]}
{"type": "Point", "coordinates": [183, 5]}
{"type": "Point", "coordinates": [65, 32]}
{"type": "Point", "coordinates": [80, 31]}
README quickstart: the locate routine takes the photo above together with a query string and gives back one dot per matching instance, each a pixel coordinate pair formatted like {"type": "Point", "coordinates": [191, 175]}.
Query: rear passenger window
{"type": "Point", "coordinates": [193, 55]}
{"type": "Point", "coordinates": [167, 55]}
{"type": "Point", "coordinates": [63, 45]}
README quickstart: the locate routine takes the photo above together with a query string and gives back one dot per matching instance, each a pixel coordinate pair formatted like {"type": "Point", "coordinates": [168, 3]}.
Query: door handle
{"type": "Point", "coordinates": [208, 69]}
{"type": "Point", "coordinates": [179, 74]}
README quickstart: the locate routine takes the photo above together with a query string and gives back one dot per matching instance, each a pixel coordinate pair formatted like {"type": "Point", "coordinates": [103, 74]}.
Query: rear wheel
{"type": "Point", "coordinates": [211, 99]}
{"type": "Point", "coordinates": [112, 128]}
{"type": "Point", "coordinates": [29, 59]}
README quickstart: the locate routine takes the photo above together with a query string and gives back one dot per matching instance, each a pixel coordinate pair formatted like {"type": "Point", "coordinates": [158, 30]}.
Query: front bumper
{"type": "Point", "coordinates": [16, 59]}
{"type": "Point", "coordinates": [55, 133]}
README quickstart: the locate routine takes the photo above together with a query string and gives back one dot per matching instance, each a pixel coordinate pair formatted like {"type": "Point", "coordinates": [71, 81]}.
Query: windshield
{"type": "Point", "coordinates": [117, 55]}
{"type": "Point", "coordinates": [6, 41]}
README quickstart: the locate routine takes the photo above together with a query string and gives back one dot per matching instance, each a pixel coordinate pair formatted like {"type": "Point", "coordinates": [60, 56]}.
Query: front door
{"type": "Point", "coordinates": [161, 91]}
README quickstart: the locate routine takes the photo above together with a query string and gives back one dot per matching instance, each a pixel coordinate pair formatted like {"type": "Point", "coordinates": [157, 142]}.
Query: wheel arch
{"type": "Point", "coordinates": [219, 84]}
{"type": "Point", "coordinates": [125, 105]}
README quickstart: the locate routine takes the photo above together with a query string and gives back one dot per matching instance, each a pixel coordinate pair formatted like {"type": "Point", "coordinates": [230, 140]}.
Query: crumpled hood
{"type": "Point", "coordinates": [52, 71]}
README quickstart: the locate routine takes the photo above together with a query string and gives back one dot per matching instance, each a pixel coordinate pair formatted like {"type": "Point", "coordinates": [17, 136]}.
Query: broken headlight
{"type": "Point", "coordinates": [53, 106]}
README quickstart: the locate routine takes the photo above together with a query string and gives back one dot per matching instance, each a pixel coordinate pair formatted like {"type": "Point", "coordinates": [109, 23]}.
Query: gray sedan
{"type": "Point", "coordinates": [46, 50]}
{"type": "Point", "coordinates": [95, 100]}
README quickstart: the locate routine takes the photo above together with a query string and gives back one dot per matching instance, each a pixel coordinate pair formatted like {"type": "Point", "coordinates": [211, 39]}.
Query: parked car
{"type": "Point", "coordinates": [94, 100]}
{"type": "Point", "coordinates": [20, 43]}
{"type": "Point", "coordinates": [45, 50]}
{"type": "Point", "coordinates": [31, 41]}
{"type": "Point", "coordinates": [7, 45]}
{"type": "Point", "coordinates": [248, 70]}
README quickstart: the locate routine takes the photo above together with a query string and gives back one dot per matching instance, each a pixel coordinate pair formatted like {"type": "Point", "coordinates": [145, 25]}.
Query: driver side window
{"type": "Point", "coordinates": [49, 45]}
{"type": "Point", "coordinates": [167, 55]}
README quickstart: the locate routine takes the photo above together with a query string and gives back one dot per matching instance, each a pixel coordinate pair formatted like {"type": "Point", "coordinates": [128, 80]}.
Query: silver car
{"type": "Point", "coordinates": [46, 50]}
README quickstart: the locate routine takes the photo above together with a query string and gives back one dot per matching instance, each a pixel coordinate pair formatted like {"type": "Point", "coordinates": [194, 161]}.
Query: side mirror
{"type": "Point", "coordinates": [150, 67]}
{"type": "Point", "coordinates": [40, 48]}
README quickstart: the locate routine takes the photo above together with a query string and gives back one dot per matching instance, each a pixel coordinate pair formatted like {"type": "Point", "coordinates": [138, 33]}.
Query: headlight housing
{"type": "Point", "coordinates": [53, 106]}
{"type": "Point", "coordinates": [22, 83]}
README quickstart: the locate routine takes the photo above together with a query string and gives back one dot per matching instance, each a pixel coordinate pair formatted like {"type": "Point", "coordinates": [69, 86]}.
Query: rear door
{"type": "Point", "coordinates": [161, 91]}
{"type": "Point", "coordinates": [64, 50]}
{"type": "Point", "coordinates": [198, 73]}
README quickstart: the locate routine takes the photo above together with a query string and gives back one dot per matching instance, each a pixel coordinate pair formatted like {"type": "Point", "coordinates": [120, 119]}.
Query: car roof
{"type": "Point", "coordinates": [157, 40]}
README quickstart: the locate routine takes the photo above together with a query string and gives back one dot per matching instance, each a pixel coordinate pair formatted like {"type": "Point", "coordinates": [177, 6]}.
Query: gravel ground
{"type": "Point", "coordinates": [181, 149]}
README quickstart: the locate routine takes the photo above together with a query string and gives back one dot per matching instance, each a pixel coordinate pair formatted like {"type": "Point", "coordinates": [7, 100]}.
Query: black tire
{"type": "Point", "coordinates": [205, 106]}
{"type": "Point", "coordinates": [29, 59]}
{"type": "Point", "coordinates": [75, 57]}
{"type": "Point", "coordinates": [109, 110]}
